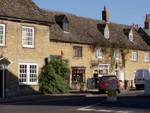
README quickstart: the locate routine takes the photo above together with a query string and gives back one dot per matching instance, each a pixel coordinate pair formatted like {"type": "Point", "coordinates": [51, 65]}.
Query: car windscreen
{"type": "Point", "coordinates": [108, 78]}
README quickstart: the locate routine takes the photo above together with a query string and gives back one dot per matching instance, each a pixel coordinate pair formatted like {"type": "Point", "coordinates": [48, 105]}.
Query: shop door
{"type": "Point", "coordinates": [1, 83]}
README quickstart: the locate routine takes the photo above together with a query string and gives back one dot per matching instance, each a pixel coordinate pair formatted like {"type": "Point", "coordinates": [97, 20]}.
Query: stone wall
{"type": "Point", "coordinates": [18, 54]}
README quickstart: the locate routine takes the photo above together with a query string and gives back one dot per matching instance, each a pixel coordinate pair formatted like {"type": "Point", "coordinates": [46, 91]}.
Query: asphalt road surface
{"type": "Point", "coordinates": [94, 103]}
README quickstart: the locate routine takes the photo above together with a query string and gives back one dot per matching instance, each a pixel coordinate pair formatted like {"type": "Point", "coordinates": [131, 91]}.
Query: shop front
{"type": "Point", "coordinates": [100, 70]}
{"type": "Point", "coordinates": [78, 77]}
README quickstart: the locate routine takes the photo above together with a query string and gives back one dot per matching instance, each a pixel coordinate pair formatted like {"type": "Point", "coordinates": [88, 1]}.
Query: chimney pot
{"type": "Point", "coordinates": [105, 15]}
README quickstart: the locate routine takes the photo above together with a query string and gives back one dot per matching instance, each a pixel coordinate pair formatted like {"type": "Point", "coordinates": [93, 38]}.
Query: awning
{"type": "Point", "coordinates": [5, 61]}
{"type": "Point", "coordinates": [78, 68]}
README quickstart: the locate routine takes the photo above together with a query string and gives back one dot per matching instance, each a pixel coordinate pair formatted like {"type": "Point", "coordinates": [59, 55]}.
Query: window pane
{"type": "Point", "coordinates": [23, 73]}
{"type": "Point", "coordinates": [146, 57]}
{"type": "Point", "coordinates": [134, 56]}
{"type": "Point", "coordinates": [2, 35]}
{"type": "Point", "coordinates": [106, 34]}
{"type": "Point", "coordinates": [28, 73]}
{"type": "Point", "coordinates": [33, 73]}
{"type": "Point", "coordinates": [99, 53]}
{"type": "Point", "coordinates": [65, 26]}
{"type": "Point", "coordinates": [28, 36]}
{"type": "Point", "coordinates": [77, 51]}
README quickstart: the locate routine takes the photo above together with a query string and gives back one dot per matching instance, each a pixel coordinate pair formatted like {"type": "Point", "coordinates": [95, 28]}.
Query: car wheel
{"type": "Point", "coordinates": [118, 91]}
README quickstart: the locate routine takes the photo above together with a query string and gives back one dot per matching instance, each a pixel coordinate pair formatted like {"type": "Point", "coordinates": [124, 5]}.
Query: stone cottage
{"type": "Point", "coordinates": [29, 35]}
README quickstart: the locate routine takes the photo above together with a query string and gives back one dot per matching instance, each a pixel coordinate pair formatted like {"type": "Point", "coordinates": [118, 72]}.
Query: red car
{"type": "Point", "coordinates": [104, 81]}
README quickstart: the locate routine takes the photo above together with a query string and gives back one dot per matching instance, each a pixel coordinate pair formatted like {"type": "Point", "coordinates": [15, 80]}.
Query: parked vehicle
{"type": "Point", "coordinates": [140, 76]}
{"type": "Point", "coordinates": [92, 83]}
{"type": "Point", "coordinates": [104, 81]}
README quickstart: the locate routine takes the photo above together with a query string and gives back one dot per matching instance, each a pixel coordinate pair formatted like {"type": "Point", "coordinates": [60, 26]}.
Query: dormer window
{"type": "Point", "coordinates": [63, 22]}
{"type": "Point", "coordinates": [65, 27]}
{"type": "Point", "coordinates": [106, 32]}
{"type": "Point", "coordinates": [131, 35]}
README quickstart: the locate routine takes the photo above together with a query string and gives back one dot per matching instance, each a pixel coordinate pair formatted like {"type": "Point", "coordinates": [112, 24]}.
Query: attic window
{"type": "Point", "coordinates": [131, 35]}
{"type": "Point", "coordinates": [63, 22]}
{"type": "Point", "coordinates": [65, 27]}
{"type": "Point", "coordinates": [106, 32]}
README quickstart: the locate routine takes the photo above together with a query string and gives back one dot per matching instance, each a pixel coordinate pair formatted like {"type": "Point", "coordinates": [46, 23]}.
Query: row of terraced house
{"type": "Point", "coordinates": [29, 35]}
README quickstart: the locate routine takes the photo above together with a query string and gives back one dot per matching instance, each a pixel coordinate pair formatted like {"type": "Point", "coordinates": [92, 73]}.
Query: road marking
{"type": "Point", "coordinates": [84, 108]}
{"type": "Point", "coordinates": [89, 108]}
{"type": "Point", "coordinates": [104, 110]}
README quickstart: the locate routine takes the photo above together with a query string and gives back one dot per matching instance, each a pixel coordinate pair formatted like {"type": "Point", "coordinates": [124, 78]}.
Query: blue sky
{"type": "Point", "coordinates": [126, 12]}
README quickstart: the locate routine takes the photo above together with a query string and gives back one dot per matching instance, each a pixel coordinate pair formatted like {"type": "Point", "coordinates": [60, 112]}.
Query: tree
{"type": "Point", "coordinates": [53, 78]}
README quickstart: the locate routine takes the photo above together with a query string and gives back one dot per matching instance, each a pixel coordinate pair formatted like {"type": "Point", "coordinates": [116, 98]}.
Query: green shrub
{"type": "Point", "coordinates": [52, 79]}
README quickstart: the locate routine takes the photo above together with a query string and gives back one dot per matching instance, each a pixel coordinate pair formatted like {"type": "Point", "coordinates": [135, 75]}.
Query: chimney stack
{"type": "Point", "coordinates": [105, 15]}
{"type": "Point", "coordinates": [147, 22]}
{"type": "Point", "coordinates": [135, 26]}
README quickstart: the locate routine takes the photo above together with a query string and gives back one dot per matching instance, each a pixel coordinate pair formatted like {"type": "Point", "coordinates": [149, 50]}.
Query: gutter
{"type": "Point", "coordinates": [26, 20]}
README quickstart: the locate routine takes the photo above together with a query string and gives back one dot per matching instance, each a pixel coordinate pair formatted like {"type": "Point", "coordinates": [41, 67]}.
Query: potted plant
{"type": "Point", "coordinates": [82, 86]}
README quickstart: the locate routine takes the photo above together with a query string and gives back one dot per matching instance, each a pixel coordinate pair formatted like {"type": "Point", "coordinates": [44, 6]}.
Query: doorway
{"type": "Point", "coordinates": [2, 83]}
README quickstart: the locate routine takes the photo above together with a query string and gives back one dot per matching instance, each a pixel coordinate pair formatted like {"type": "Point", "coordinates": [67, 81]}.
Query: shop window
{"type": "Point", "coordinates": [103, 69]}
{"type": "Point", "coordinates": [78, 76]}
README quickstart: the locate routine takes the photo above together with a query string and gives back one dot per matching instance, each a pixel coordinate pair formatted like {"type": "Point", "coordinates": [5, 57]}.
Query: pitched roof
{"type": "Point", "coordinates": [61, 18]}
{"type": "Point", "coordinates": [23, 10]}
{"type": "Point", "coordinates": [145, 34]}
{"type": "Point", "coordinates": [81, 30]}
{"type": "Point", "coordinates": [89, 31]}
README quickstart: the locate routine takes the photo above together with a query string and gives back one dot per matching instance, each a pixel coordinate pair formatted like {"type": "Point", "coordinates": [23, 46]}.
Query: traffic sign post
{"type": "Point", "coordinates": [112, 94]}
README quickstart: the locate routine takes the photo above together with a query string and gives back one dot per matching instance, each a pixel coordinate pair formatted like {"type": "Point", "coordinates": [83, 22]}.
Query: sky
{"type": "Point", "coordinates": [126, 12]}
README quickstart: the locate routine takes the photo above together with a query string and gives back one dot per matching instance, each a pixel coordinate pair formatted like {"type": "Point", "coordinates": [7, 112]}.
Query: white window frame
{"type": "Point", "coordinates": [106, 34]}
{"type": "Point", "coordinates": [78, 51]}
{"type": "Point", "coordinates": [146, 57]}
{"type": "Point", "coordinates": [131, 35]}
{"type": "Point", "coordinates": [99, 53]}
{"type": "Point", "coordinates": [65, 26]}
{"type": "Point", "coordinates": [28, 72]}
{"type": "Point", "coordinates": [26, 39]}
{"type": "Point", "coordinates": [102, 68]}
{"type": "Point", "coordinates": [134, 56]}
{"type": "Point", "coordinates": [116, 54]}
{"type": "Point", "coordinates": [3, 35]}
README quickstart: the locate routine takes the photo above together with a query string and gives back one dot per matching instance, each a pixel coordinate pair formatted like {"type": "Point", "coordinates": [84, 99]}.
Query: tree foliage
{"type": "Point", "coordinates": [53, 78]}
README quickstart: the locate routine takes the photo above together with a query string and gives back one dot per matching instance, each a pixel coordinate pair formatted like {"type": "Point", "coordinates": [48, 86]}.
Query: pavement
{"type": "Point", "coordinates": [75, 93]}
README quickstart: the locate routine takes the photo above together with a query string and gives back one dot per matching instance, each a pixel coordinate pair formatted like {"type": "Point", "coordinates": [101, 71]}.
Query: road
{"type": "Point", "coordinates": [94, 103]}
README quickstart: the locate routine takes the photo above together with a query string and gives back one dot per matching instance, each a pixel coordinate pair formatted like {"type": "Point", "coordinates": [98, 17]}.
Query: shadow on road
{"type": "Point", "coordinates": [81, 99]}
